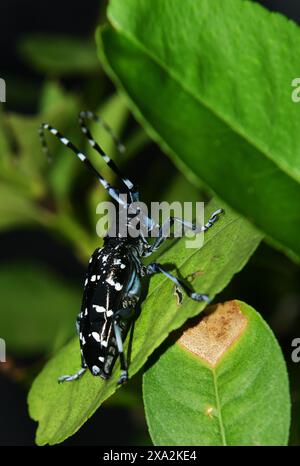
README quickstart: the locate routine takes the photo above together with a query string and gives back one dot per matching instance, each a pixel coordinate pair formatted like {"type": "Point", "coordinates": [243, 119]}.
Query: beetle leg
{"type": "Point", "coordinates": [164, 230]}
{"type": "Point", "coordinates": [124, 371]}
{"type": "Point", "coordinates": [157, 268]}
{"type": "Point", "coordinates": [70, 378]}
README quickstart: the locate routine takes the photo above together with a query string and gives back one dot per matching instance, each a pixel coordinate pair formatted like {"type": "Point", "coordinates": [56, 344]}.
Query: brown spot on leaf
{"type": "Point", "coordinates": [220, 326]}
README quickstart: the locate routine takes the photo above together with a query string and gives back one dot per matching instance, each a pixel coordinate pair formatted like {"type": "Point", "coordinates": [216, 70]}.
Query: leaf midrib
{"type": "Point", "coordinates": [218, 403]}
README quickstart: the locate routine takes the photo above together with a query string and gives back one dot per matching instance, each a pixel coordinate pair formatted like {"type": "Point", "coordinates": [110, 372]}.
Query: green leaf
{"type": "Point", "coordinates": [59, 55]}
{"type": "Point", "coordinates": [224, 382]}
{"type": "Point", "coordinates": [216, 92]}
{"type": "Point", "coordinates": [62, 409]}
{"type": "Point", "coordinates": [39, 309]}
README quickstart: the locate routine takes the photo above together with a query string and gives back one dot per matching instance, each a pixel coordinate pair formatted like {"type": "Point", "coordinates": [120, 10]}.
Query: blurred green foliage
{"type": "Point", "coordinates": [59, 55]}
{"type": "Point", "coordinates": [33, 322]}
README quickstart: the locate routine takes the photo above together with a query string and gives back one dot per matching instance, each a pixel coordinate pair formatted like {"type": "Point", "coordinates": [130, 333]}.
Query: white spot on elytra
{"type": "Point", "coordinates": [104, 343]}
{"type": "Point", "coordinates": [99, 308]}
{"type": "Point", "coordinates": [93, 278]}
{"type": "Point", "coordinates": [96, 336]}
{"type": "Point", "coordinates": [119, 262]}
{"type": "Point", "coordinates": [109, 313]}
{"type": "Point", "coordinates": [101, 358]}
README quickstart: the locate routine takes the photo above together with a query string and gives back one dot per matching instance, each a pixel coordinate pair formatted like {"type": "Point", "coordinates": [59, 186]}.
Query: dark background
{"type": "Point", "coordinates": [262, 284]}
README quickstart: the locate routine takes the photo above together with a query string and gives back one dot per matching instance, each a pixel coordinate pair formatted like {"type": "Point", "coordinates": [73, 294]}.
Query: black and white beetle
{"type": "Point", "coordinates": [113, 281]}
